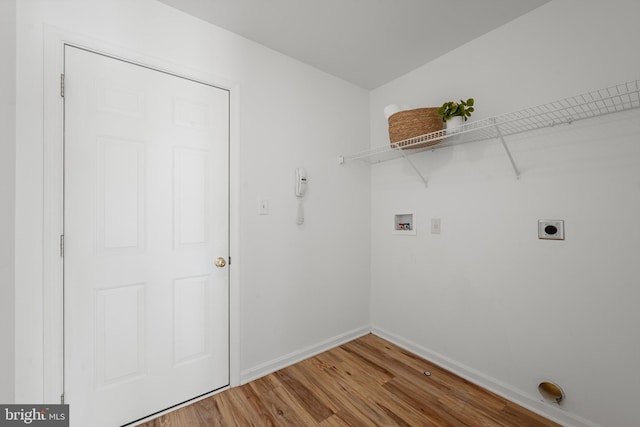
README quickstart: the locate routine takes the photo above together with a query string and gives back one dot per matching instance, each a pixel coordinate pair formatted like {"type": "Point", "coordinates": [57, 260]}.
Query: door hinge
{"type": "Point", "coordinates": [62, 245]}
{"type": "Point", "coordinates": [62, 85]}
{"type": "Point", "coordinates": [229, 260]}
{"type": "Point", "coordinates": [62, 399]}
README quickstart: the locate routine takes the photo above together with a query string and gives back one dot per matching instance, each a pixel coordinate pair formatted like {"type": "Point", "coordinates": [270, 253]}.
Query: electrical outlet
{"type": "Point", "coordinates": [551, 229]}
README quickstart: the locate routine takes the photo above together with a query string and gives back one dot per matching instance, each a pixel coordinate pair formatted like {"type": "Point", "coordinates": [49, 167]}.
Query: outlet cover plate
{"type": "Point", "coordinates": [551, 229]}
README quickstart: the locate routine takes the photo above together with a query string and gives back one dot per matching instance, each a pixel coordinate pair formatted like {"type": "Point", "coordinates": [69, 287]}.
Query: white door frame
{"type": "Point", "coordinates": [53, 138]}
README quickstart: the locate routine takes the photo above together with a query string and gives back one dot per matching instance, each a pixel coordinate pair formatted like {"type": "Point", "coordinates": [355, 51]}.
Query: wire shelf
{"type": "Point", "coordinates": [614, 99]}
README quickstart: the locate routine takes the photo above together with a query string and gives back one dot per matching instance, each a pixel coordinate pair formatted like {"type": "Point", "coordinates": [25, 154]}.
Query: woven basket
{"type": "Point", "coordinates": [411, 123]}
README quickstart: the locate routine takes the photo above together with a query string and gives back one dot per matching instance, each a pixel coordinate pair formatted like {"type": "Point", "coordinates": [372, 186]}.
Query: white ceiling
{"type": "Point", "coordinates": [366, 42]}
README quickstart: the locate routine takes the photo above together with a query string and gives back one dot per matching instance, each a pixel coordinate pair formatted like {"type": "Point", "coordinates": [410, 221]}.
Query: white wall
{"type": "Point", "coordinates": [486, 298]}
{"type": "Point", "coordinates": [7, 194]}
{"type": "Point", "coordinates": [301, 287]}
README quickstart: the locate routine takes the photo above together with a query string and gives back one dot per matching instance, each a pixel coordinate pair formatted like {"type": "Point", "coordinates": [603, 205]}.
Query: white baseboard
{"type": "Point", "coordinates": [549, 411]}
{"type": "Point", "coordinates": [299, 355]}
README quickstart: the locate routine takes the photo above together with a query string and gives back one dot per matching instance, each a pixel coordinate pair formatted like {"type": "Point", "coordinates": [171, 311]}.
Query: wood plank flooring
{"type": "Point", "coordinates": [366, 382]}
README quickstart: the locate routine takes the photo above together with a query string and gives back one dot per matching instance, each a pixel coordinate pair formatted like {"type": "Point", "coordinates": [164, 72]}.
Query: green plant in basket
{"type": "Point", "coordinates": [453, 109]}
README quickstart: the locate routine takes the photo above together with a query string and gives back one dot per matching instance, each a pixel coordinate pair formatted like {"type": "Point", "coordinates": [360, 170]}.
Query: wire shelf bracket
{"type": "Point", "coordinates": [506, 148]}
{"type": "Point", "coordinates": [415, 168]}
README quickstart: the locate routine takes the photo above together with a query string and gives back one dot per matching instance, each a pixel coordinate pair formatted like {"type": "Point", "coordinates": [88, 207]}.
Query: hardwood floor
{"type": "Point", "coordinates": [366, 382]}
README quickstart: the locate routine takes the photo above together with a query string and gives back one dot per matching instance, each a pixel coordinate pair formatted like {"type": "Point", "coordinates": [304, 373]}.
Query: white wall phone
{"type": "Point", "coordinates": [300, 189]}
{"type": "Point", "coordinates": [301, 182]}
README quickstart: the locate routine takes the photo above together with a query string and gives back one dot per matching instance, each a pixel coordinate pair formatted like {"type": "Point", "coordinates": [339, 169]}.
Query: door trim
{"type": "Point", "coordinates": [53, 190]}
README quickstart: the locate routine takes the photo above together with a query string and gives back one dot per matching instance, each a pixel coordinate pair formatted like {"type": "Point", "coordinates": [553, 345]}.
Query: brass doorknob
{"type": "Point", "coordinates": [220, 262]}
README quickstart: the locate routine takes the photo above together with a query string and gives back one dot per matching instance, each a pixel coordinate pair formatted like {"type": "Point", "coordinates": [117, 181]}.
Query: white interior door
{"type": "Point", "coordinates": [145, 217]}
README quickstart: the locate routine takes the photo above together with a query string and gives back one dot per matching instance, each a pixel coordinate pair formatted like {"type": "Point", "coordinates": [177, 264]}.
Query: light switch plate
{"type": "Point", "coordinates": [263, 207]}
{"type": "Point", "coordinates": [551, 229]}
{"type": "Point", "coordinates": [436, 225]}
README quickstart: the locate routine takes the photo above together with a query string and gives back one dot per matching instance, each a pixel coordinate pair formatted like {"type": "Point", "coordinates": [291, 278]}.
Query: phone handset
{"type": "Point", "coordinates": [300, 189]}
{"type": "Point", "coordinates": [301, 182]}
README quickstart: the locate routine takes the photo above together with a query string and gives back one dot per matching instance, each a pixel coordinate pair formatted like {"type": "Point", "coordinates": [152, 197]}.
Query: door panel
{"type": "Point", "coordinates": [146, 214]}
